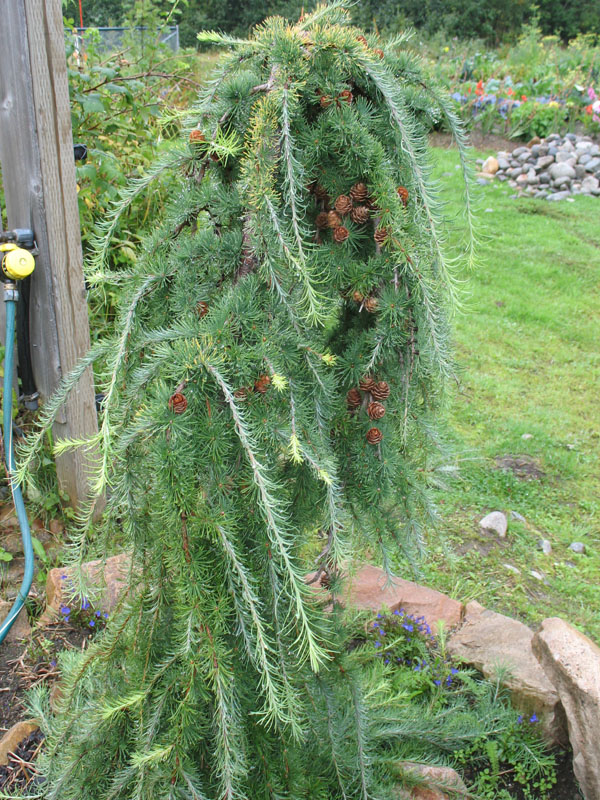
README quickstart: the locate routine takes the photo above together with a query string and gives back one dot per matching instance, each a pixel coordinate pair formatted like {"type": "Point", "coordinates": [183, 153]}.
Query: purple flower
{"type": "Point", "coordinates": [408, 627]}
{"type": "Point", "coordinates": [377, 644]}
{"type": "Point", "coordinates": [65, 610]}
{"type": "Point", "coordinates": [437, 682]}
{"type": "Point", "coordinates": [387, 661]}
{"type": "Point", "coordinates": [533, 718]}
{"type": "Point", "coordinates": [53, 663]}
{"type": "Point", "coordinates": [98, 614]}
{"type": "Point", "coordinates": [520, 719]}
{"type": "Point", "coordinates": [92, 622]}
{"type": "Point", "coordinates": [85, 604]}
{"type": "Point", "coordinates": [63, 577]}
{"type": "Point", "coordinates": [396, 612]}
{"type": "Point", "coordinates": [454, 671]}
{"type": "Point", "coordinates": [105, 615]}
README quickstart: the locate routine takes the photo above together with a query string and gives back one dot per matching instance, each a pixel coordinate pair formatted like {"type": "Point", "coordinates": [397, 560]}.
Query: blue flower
{"type": "Point", "coordinates": [396, 612]}
{"type": "Point", "coordinates": [63, 577]}
{"type": "Point", "coordinates": [105, 615]}
{"type": "Point", "coordinates": [382, 632]}
{"type": "Point", "coordinates": [85, 604]}
{"type": "Point", "coordinates": [92, 622]}
{"type": "Point", "coordinates": [408, 627]}
{"type": "Point", "coordinates": [65, 610]}
{"type": "Point", "coordinates": [533, 718]}
{"type": "Point", "coordinates": [454, 671]}
{"type": "Point", "coordinates": [437, 682]}
{"type": "Point", "coordinates": [53, 663]}
{"type": "Point", "coordinates": [377, 644]}
{"type": "Point", "coordinates": [387, 661]}
{"type": "Point", "coordinates": [98, 614]}
{"type": "Point", "coordinates": [520, 719]}
{"type": "Point", "coordinates": [378, 616]}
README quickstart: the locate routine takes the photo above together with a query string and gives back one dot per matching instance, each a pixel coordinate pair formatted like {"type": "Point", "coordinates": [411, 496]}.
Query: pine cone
{"type": "Point", "coordinates": [374, 436]}
{"type": "Point", "coordinates": [360, 215]}
{"type": "Point", "coordinates": [381, 234]}
{"type": "Point", "coordinates": [333, 219]}
{"type": "Point", "coordinates": [319, 191]}
{"type": "Point", "coordinates": [322, 220]}
{"type": "Point", "coordinates": [343, 204]}
{"type": "Point", "coordinates": [202, 309]}
{"type": "Point", "coordinates": [261, 384]}
{"type": "Point", "coordinates": [375, 410]}
{"type": "Point", "coordinates": [353, 399]}
{"type": "Point", "coordinates": [241, 394]}
{"type": "Point", "coordinates": [357, 296]}
{"type": "Point", "coordinates": [380, 390]}
{"type": "Point", "coordinates": [371, 304]}
{"type": "Point", "coordinates": [378, 52]}
{"type": "Point", "coordinates": [325, 581]}
{"type": "Point", "coordinates": [359, 192]}
{"type": "Point", "coordinates": [346, 96]}
{"type": "Point", "coordinates": [177, 403]}
{"type": "Point", "coordinates": [340, 234]}
{"type": "Point", "coordinates": [197, 137]}
{"type": "Point", "coordinates": [371, 203]}
{"type": "Point", "coordinates": [366, 383]}
{"type": "Point", "coordinates": [325, 101]}
{"type": "Point", "coordinates": [403, 194]}
{"type": "Point", "coordinates": [362, 40]}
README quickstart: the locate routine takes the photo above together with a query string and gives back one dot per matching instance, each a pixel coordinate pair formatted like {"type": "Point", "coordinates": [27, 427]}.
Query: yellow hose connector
{"type": "Point", "coordinates": [17, 263]}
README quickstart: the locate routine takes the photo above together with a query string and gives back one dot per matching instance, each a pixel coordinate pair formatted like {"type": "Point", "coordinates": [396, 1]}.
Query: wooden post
{"type": "Point", "coordinates": [38, 176]}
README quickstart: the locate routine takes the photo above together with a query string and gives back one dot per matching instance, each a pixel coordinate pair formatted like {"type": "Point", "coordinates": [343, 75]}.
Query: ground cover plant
{"type": "Point", "coordinates": [276, 369]}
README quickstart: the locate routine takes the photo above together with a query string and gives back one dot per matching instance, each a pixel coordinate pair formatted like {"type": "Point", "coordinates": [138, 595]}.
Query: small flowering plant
{"type": "Point", "coordinates": [405, 641]}
{"type": "Point", "coordinates": [80, 612]}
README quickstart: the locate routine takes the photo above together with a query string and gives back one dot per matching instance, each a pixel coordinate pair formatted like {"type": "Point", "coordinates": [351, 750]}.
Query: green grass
{"type": "Point", "coordinates": [527, 347]}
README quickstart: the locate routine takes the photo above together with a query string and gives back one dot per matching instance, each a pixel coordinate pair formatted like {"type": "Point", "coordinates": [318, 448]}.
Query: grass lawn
{"type": "Point", "coordinates": [527, 345]}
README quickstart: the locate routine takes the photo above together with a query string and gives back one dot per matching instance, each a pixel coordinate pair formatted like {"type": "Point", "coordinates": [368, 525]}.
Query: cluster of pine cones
{"type": "Point", "coordinates": [357, 204]}
{"type": "Point", "coordinates": [374, 392]}
{"type": "Point", "coordinates": [261, 385]}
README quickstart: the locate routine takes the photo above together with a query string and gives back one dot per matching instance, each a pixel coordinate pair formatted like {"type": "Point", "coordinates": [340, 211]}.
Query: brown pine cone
{"type": "Point", "coordinates": [319, 191]}
{"type": "Point", "coordinates": [261, 384]}
{"type": "Point", "coordinates": [359, 192]}
{"type": "Point", "coordinates": [346, 96]}
{"type": "Point", "coordinates": [325, 101]}
{"type": "Point", "coordinates": [353, 399]}
{"type": "Point", "coordinates": [362, 40]}
{"type": "Point", "coordinates": [177, 403]}
{"type": "Point", "coordinates": [357, 296]}
{"type": "Point", "coordinates": [340, 234]}
{"type": "Point", "coordinates": [371, 203]}
{"type": "Point", "coordinates": [371, 304]}
{"type": "Point", "coordinates": [322, 220]}
{"type": "Point", "coordinates": [374, 436]}
{"type": "Point", "coordinates": [343, 204]}
{"type": "Point", "coordinates": [333, 219]}
{"type": "Point", "coordinates": [202, 309]}
{"type": "Point", "coordinates": [360, 215]}
{"type": "Point", "coordinates": [381, 390]}
{"type": "Point", "coordinates": [197, 137]}
{"type": "Point", "coordinates": [241, 394]}
{"type": "Point", "coordinates": [366, 383]}
{"type": "Point", "coordinates": [379, 52]}
{"type": "Point", "coordinates": [403, 194]}
{"type": "Point", "coordinates": [375, 410]}
{"type": "Point", "coordinates": [381, 234]}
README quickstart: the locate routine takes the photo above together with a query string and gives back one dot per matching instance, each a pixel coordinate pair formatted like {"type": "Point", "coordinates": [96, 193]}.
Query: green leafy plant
{"type": "Point", "coordinates": [276, 368]}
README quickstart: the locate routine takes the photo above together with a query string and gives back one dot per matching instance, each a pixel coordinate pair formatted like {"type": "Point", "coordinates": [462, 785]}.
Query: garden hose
{"type": "Point", "coordinates": [17, 263]}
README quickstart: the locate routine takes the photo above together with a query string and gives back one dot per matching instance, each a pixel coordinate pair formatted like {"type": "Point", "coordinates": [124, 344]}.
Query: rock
{"type": "Point", "coordinates": [495, 522]}
{"type": "Point", "coordinates": [512, 568]}
{"type": "Point", "coordinates": [571, 137]}
{"type": "Point", "coordinates": [518, 151]}
{"type": "Point", "coordinates": [541, 195]}
{"type": "Point", "coordinates": [369, 589]}
{"type": "Point", "coordinates": [107, 580]}
{"type": "Point", "coordinates": [527, 436]}
{"type": "Point", "coordinates": [439, 783]}
{"type": "Point", "coordinates": [14, 736]}
{"type": "Point", "coordinates": [562, 182]}
{"type": "Point", "coordinates": [593, 165]}
{"type": "Point", "coordinates": [580, 171]}
{"type": "Point", "coordinates": [583, 146]}
{"type": "Point", "coordinates": [572, 661]}
{"type": "Point", "coordinates": [558, 196]}
{"type": "Point", "coordinates": [590, 183]}
{"type": "Point", "coordinates": [489, 641]}
{"type": "Point", "coordinates": [561, 171]}
{"type": "Point", "coordinates": [545, 546]}
{"type": "Point", "coordinates": [537, 575]}
{"type": "Point", "coordinates": [21, 628]}
{"type": "Point", "coordinates": [522, 179]}
{"type": "Point", "coordinates": [565, 157]}
{"type": "Point", "coordinates": [518, 517]}
{"type": "Point", "coordinates": [552, 151]}
{"type": "Point", "coordinates": [524, 156]}
{"type": "Point", "coordinates": [544, 178]}
{"type": "Point", "coordinates": [544, 161]}
{"type": "Point", "coordinates": [577, 547]}
{"type": "Point", "coordinates": [483, 181]}
{"type": "Point", "coordinates": [584, 158]}
{"type": "Point", "coordinates": [503, 162]}
{"type": "Point", "coordinates": [490, 165]}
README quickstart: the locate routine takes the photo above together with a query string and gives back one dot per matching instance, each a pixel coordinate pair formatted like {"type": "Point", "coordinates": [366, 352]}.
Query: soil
{"type": "Point", "coordinates": [478, 140]}
{"type": "Point", "coordinates": [21, 772]}
{"type": "Point", "coordinates": [523, 467]}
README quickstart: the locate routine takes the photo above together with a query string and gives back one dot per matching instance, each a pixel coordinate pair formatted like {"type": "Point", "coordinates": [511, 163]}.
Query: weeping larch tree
{"type": "Point", "coordinates": [273, 380]}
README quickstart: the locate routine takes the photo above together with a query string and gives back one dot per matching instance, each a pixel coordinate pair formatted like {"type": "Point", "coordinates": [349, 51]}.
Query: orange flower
{"type": "Point", "coordinates": [469, 90]}
{"type": "Point", "coordinates": [589, 109]}
{"type": "Point", "coordinates": [479, 88]}
{"type": "Point", "coordinates": [510, 92]}
{"type": "Point", "coordinates": [523, 97]}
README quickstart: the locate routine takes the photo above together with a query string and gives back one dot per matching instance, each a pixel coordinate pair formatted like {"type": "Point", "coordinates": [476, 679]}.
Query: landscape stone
{"type": "Point", "coordinates": [558, 196]}
{"type": "Point", "coordinates": [370, 589]}
{"type": "Point", "coordinates": [541, 195]}
{"type": "Point", "coordinates": [21, 628]}
{"type": "Point", "coordinates": [584, 158]}
{"type": "Point", "coordinates": [440, 783]}
{"type": "Point", "coordinates": [495, 522]}
{"type": "Point", "coordinates": [561, 171]}
{"type": "Point", "coordinates": [572, 661]}
{"type": "Point", "coordinates": [580, 171]}
{"type": "Point", "coordinates": [512, 568]}
{"type": "Point", "coordinates": [519, 151]}
{"type": "Point", "coordinates": [545, 161]}
{"type": "Point", "coordinates": [490, 165]}
{"type": "Point", "coordinates": [517, 516]}
{"type": "Point", "coordinates": [107, 581]}
{"type": "Point", "coordinates": [563, 156]}
{"type": "Point", "coordinates": [562, 182]}
{"type": "Point", "coordinates": [593, 165]}
{"type": "Point", "coordinates": [14, 736]}
{"type": "Point", "coordinates": [545, 546]}
{"type": "Point", "coordinates": [577, 547]}
{"type": "Point", "coordinates": [590, 183]}
{"type": "Point", "coordinates": [502, 162]}
{"type": "Point", "coordinates": [490, 642]}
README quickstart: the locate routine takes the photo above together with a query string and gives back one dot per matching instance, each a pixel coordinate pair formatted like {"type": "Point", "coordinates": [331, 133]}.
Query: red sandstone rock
{"type": "Point", "coordinates": [21, 628]}
{"type": "Point", "coordinates": [439, 783]}
{"type": "Point", "coordinates": [13, 738]}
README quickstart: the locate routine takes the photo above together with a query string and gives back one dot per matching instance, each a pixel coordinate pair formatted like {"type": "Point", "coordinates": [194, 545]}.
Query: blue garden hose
{"type": "Point", "coordinates": [15, 264]}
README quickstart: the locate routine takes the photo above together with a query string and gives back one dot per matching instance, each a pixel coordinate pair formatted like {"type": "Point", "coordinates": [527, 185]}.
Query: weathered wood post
{"type": "Point", "coordinates": [38, 176]}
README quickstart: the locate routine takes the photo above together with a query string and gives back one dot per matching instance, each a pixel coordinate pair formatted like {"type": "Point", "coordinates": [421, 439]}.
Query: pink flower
{"type": "Point", "coordinates": [592, 94]}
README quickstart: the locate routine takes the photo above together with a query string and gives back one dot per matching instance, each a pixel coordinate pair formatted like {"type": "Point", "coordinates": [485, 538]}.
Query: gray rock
{"type": "Point", "coordinates": [537, 575]}
{"type": "Point", "coordinates": [584, 158]}
{"type": "Point", "coordinates": [590, 183]}
{"type": "Point", "coordinates": [522, 179]}
{"type": "Point", "coordinates": [562, 156]}
{"type": "Point", "coordinates": [483, 182]}
{"type": "Point", "coordinates": [524, 156]}
{"type": "Point", "coordinates": [542, 194]}
{"type": "Point", "coordinates": [545, 161]}
{"type": "Point", "coordinates": [571, 137]}
{"type": "Point", "coordinates": [552, 137]}
{"type": "Point", "coordinates": [544, 178]}
{"type": "Point", "coordinates": [595, 150]}
{"type": "Point", "coordinates": [502, 162]}
{"type": "Point", "coordinates": [512, 568]}
{"type": "Point", "coordinates": [545, 546]}
{"type": "Point", "coordinates": [495, 522]}
{"type": "Point", "coordinates": [561, 171]}
{"type": "Point", "coordinates": [552, 151]}
{"type": "Point", "coordinates": [593, 165]}
{"type": "Point", "coordinates": [535, 150]}
{"type": "Point", "coordinates": [583, 146]}
{"type": "Point", "coordinates": [558, 196]}
{"type": "Point", "coordinates": [562, 182]}
{"type": "Point", "coordinates": [517, 516]}
{"type": "Point", "coordinates": [580, 171]}
{"type": "Point", "coordinates": [543, 149]}
{"type": "Point", "coordinates": [577, 547]}
{"type": "Point", "coordinates": [518, 151]}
